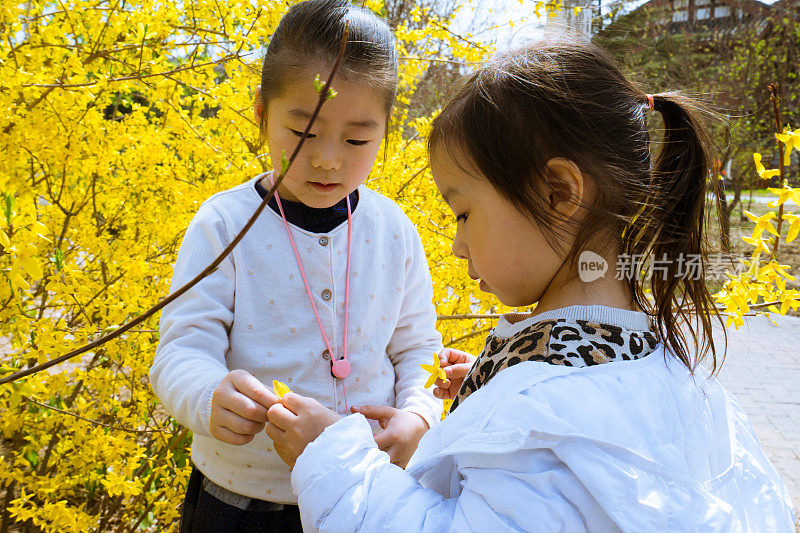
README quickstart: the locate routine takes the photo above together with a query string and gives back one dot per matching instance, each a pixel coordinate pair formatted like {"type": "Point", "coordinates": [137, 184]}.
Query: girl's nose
{"type": "Point", "coordinates": [326, 158]}
{"type": "Point", "coordinates": [460, 249]}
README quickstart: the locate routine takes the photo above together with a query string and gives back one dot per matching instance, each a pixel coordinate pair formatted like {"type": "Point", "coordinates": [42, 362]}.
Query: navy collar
{"type": "Point", "coordinates": [312, 219]}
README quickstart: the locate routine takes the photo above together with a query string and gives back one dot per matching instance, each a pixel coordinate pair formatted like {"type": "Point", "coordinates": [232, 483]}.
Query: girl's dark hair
{"type": "Point", "coordinates": [310, 33]}
{"type": "Point", "coordinates": [567, 98]}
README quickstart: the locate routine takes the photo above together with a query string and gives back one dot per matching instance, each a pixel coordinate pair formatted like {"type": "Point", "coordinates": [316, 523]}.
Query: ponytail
{"type": "Point", "coordinates": [679, 176]}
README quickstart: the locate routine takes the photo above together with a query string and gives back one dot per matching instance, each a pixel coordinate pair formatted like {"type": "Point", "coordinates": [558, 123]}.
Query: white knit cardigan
{"type": "Point", "coordinates": [253, 313]}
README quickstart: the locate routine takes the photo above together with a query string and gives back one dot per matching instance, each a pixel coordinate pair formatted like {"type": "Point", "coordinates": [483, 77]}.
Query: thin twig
{"type": "Point", "coordinates": [469, 317]}
{"type": "Point", "coordinates": [133, 77]}
{"type": "Point", "coordinates": [436, 60]}
{"type": "Point", "coordinates": [467, 336]}
{"type": "Point", "coordinates": [775, 99]}
{"type": "Point", "coordinates": [95, 422]}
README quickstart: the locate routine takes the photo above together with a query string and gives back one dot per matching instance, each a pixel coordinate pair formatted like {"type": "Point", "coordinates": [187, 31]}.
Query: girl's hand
{"type": "Point", "coordinates": [456, 365]}
{"type": "Point", "coordinates": [295, 421]}
{"type": "Point", "coordinates": [239, 408]}
{"type": "Point", "coordinates": [401, 431]}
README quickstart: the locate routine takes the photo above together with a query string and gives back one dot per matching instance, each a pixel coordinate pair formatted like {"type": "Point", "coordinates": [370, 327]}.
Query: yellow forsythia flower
{"type": "Point", "coordinates": [785, 193]}
{"type": "Point", "coordinates": [435, 370]}
{"type": "Point", "coordinates": [792, 140]}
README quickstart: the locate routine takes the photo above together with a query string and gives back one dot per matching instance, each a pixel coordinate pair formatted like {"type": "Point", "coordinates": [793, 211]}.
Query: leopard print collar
{"type": "Point", "coordinates": [560, 341]}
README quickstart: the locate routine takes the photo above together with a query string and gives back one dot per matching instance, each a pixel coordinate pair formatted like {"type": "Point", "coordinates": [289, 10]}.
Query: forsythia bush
{"type": "Point", "coordinates": [764, 278]}
{"type": "Point", "coordinates": [118, 119]}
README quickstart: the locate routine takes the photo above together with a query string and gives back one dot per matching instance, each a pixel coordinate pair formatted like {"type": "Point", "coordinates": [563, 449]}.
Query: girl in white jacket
{"type": "Point", "coordinates": [594, 412]}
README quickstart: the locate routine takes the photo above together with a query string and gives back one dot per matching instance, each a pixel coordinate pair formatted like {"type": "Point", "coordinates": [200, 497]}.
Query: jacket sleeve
{"type": "Point", "coordinates": [190, 358]}
{"type": "Point", "coordinates": [415, 339]}
{"type": "Point", "coordinates": [344, 483]}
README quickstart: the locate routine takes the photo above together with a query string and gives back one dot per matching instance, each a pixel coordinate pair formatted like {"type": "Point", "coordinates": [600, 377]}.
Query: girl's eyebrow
{"type": "Point", "coordinates": [368, 124]}
{"type": "Point", "coordinates": [448, 193]}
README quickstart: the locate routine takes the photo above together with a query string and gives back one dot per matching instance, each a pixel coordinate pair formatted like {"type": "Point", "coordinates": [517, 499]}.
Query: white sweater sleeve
{"type": "Point", "coordinates": [190, 358]}
{"type": "Point", "coordinates": [344, 483]}
{"type": "Point", "coordinates": [415, 339]}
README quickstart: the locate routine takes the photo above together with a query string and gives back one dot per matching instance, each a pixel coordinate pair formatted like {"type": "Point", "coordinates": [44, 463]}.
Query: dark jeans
{"type": "Point", "coordinates": [203, 513]}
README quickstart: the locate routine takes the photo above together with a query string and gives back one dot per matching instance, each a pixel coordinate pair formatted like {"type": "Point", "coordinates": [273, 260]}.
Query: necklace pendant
{"type": "Point", "coordinates": [340, 368]}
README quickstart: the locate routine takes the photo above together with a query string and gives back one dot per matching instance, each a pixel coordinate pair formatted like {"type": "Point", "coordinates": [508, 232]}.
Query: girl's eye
{"type": "Point", "coordinates": [462, 217]}
{"type": "Point", "coordinates": [300, 134]}
{"type": "Point", "coordinates": [357, 143]}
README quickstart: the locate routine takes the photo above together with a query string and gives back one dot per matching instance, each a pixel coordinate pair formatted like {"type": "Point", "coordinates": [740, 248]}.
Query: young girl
{"type": "Point", "coordinates": [592, 413]}
{"type": "Point", "coordinates": [329, 292]}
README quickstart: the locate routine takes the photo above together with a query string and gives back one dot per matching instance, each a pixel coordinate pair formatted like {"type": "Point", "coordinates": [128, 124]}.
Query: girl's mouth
{"type": "Point", "coordinates": [323, 187]}
{"type": "Point", "coordinates": [481, 284]}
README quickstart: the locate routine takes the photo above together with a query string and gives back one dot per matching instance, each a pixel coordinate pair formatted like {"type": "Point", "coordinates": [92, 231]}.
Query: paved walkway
{"type": "Point", "coordinates": [762, 369]}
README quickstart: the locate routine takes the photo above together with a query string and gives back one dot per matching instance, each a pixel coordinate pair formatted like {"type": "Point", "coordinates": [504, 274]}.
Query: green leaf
{"type": "Point", "coordinates": [58, 259]}
{"type": "Point", "coordinates": [10, 200]}
{"type": "Point", "coordinates": [284, 162]}
{"type": "Point", "coordinates": [317, 84]}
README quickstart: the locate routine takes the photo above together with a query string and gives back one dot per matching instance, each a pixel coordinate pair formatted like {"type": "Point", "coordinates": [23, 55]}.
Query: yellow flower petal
{"type": "Point", "coordinates": [431, 381]}
{"type": "Point", "coordinates": [759, 166]}
{"type": "Point", "coordinates": [446, 407]}
{"type": "Point", "coordinates": [763, 172]}
{"type": "Point", "coordinates": [31, 267]}
{"type": "Point", "coordinates": [17, 281]}
{"type": "Point", "coordinates": [770, 174]}
{"type": "Point", "coordinates": [280, 388]}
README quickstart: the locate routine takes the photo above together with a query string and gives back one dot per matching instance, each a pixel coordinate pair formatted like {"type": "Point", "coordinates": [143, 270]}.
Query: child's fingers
{"type": "Point", "coordinates": [239, 424]}
{"type": "Point", "coordinates": [385, 439]}
{"type": "Point", "coordinates": [449, 356]}
{"type": "Point", "coordinates": [444, 394]}
{"type": "Point", "coordinates": [275, 433]}
{"type": "Point", "coordinates": [243, 406]}
{"type": "Point", "coordinates": [381, 413]}
{"type": "Point", "coordinates": [280, 416]}
{"type": "Point", "coordinates": [231, 437]}
{"type": "Point", "coordinates": [251, 387]}
{"type": "Point", "coordinates": [457, 371]}
{"type": "Point", "coordinates": [296, 403]}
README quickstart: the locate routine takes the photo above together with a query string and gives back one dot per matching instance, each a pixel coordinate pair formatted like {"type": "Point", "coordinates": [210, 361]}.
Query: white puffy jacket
{"type": "Point", "coordinates": [629, 446]}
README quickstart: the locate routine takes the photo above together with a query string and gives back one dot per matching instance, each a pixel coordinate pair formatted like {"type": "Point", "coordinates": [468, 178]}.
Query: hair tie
{"type": "Point", "coordinates": [651, 103]}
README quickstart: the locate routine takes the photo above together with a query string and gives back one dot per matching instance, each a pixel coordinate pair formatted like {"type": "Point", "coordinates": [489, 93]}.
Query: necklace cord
{"type": "Point", "coordinates": [311, 296]}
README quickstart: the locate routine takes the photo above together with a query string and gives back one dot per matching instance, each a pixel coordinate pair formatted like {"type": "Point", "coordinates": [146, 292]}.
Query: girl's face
{"type": "Point", "coordinates": [340, 149]}
{"type": "Point", "coordinates": [505, 250]}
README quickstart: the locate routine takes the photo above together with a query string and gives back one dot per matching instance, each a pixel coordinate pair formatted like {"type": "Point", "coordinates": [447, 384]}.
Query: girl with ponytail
{"type": "Point", "coordinates": [598, 411]}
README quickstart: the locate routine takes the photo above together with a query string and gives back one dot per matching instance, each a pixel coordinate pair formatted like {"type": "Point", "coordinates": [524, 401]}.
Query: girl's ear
{"type": "Point", "coordinates": [566, 186]}
{"type": "Point", "coordinates": [257, 107]}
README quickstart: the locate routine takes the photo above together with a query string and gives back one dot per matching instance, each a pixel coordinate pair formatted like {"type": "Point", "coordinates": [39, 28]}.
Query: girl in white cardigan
{"type": "Point", "coordinates": [592, 413]}
{"type": "Point", "coordinates": [329, 292]}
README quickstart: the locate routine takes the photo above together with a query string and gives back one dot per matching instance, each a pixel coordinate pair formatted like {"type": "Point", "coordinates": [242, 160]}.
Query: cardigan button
{"type": "Point", "coordinates": [323, 241]}
{"type": "Point", "coordinates": [326, 355]}
{"type": "Point", "coordinates": [326, 294]}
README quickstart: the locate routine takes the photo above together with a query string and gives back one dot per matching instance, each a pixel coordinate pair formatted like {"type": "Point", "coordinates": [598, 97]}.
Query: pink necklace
{"type": "Point", "coordinates": [340, 368]}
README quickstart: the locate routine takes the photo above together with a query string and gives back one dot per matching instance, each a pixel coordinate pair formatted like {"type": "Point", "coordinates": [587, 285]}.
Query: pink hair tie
{"type": "Point", "coordinates": [651, 103]}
